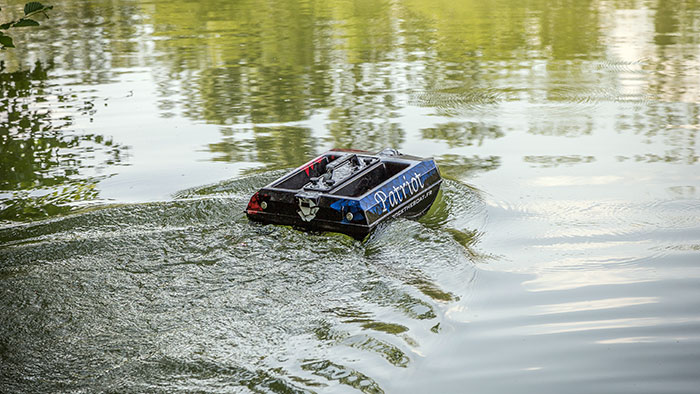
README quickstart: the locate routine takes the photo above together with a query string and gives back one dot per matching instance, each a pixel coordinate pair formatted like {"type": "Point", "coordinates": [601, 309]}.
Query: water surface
{"type": "Point", "coordinates": [561, 255]}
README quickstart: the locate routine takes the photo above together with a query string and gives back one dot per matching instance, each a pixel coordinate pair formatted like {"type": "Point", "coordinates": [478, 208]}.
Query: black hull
{"type": "Point", "coordinates": [357, 231]}
{"type": "Point", "coordinates": [348, 192]}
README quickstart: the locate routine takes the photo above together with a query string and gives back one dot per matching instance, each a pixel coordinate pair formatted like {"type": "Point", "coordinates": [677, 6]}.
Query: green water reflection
{"type": "Point", "coordinates": [42, 165]}
{"type": "Point", "coordinates": [361, 67]}
{"type": "Point", "coordinates": [366, 61]}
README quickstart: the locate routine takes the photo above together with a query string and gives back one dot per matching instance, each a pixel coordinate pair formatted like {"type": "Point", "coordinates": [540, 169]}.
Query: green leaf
{"type": "Point", "coordinates": [5, 26]}
{"type": "Point", "coordinates": [26, 22]}
{"type": "Point", "coordinates": [6, 41]}
{"type": "Point", "coordinates": [32, 6]}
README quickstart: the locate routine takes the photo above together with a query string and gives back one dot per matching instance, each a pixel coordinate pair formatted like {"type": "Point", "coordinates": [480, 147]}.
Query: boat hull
{"type": "Point", "coordinates": [349, 192]}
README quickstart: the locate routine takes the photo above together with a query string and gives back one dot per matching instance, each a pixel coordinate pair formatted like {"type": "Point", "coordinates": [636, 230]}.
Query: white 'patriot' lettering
{"type": "Point", "coordinates": [395, 196]}
{"type": "Point", "coordinates": [380, 196]}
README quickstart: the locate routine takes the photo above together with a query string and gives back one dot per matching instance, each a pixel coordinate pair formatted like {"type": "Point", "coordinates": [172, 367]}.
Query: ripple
{"type": "Point", "coordinates": [624, 66]}
{"type": "Point", "coordinates": [187, 293]}
{"type": "Point", "coordinates": [453, 101]}
{"type": "Point", "coordinates": [343, 375]}
{"type": "Point", "coordinates": [584, 221]}
{"type": "Point", "coordinates": [592, 97]}
{"type": "Point", "coordinates": [547, 161]}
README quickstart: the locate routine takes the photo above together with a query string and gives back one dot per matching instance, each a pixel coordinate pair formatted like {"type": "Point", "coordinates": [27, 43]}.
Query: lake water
{"type": "Point", "coordinates": [562, 255]}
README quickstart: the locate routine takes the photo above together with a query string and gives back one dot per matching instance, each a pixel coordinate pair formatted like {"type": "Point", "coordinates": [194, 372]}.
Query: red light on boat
{"type": "Point", "coordinates": [254, 204]}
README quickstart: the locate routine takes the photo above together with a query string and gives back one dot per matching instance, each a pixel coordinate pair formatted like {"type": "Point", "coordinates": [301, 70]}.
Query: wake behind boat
{"type": "Point", "coordinates": [349, 192]}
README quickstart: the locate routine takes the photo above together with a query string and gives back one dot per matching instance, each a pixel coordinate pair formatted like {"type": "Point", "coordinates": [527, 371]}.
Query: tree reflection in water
{"type": "Point", "coordinates": [45, 167]}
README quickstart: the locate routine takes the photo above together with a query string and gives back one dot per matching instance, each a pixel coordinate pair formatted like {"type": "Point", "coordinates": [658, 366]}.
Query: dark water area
{"type": "Point", "coordinates": [562, 254]}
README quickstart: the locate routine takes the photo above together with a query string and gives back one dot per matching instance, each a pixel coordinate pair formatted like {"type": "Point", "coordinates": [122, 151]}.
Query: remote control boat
{"type": "Point", "coordinates": [349, 191]}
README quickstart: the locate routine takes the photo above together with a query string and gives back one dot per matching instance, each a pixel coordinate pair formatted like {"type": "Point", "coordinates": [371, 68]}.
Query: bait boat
{"type": "Point", "coordinates": [349, 192]}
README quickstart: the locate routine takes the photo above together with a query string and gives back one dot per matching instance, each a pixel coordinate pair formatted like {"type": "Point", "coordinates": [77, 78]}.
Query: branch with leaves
{"type": "Point", "coordinates": [31, 10]}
